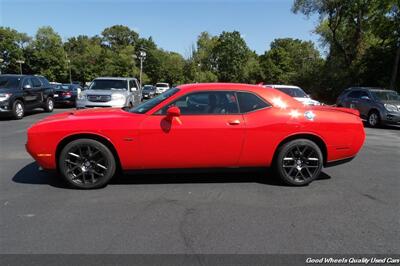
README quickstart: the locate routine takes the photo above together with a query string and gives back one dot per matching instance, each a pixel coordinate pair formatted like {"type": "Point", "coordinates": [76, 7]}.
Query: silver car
{"type": "Point", "coordinates": [110, 92]}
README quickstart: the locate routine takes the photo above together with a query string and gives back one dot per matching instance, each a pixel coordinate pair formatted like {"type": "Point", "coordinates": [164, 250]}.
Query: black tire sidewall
{"type": "Point", "coordinates": [282, 152]}
{"type": "Point", "coordinates": [104, 149]}
{"type": "Point", "coordinates": [14, 109]}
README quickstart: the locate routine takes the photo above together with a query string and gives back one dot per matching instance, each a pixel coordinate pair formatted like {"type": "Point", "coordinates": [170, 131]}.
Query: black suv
{"type": "Point", "coordinates": [376, 105]}
{"type": "Point", "coordinates": [22, 92]}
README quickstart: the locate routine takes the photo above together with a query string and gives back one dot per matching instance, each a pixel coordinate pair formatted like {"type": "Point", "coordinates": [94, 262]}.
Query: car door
{"type": "Point", "coordinates": [364, 103]}
{"type": "Point", "coordinates": [135, 91]}
{"type": "Point", "coordinates": [208, 133]}
{"type": "Point", "coordinates": [36, 93]}
{"type": "Point", "coordinates": [352, 99]}
{"type": "Point", "coordinates": [28, 92]}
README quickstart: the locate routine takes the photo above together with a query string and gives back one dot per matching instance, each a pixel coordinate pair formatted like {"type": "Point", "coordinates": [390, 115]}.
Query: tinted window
{"type": "Point", "coordinates": [44, 81]}
{"type": "Point", "coordinates": [109, 84]}
{"type": "Point", "coordinates": [36, 82]}
{"type": "Point", "coordinates": [146, 106]}
{"type": "Point", "coordinates": [26, 82]}
{"type": "Point", "coordinates": [9, 82]}
{"type": "Point", "coordinates": [162, 85]}
{"type": "Point", "coordinates": [249, 102]}
{"type": "Point", "coordinates": [132, 85]}
{"type": "Point", "coordinates": [363, 93]}
{"type": "Point", "coordinates": [213, 102]}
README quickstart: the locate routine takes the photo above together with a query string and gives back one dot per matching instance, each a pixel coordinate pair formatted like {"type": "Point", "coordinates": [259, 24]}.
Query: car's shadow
{"type": "Point", "coordinates": [30, 174]}
{"type": "Point", "coordinates": [388, 126]}
{"type": "Point", "coordinates": [5, 117]}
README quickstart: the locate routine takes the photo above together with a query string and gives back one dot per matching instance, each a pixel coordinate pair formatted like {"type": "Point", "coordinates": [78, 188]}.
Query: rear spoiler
{"type": "Point", "coordinates": [340, 109]}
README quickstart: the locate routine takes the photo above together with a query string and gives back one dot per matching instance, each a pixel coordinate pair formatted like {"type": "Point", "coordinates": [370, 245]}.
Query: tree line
{"type": "Point", "coordinates": [361, 37]}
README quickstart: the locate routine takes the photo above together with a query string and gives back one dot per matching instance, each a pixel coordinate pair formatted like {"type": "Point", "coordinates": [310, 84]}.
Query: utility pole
{"type": "Point", "coordinates": [20, 62]}
{"type": "Point", "coordinates": [1, 64]}
{"type": "Point", "coordinates": [142, 57]}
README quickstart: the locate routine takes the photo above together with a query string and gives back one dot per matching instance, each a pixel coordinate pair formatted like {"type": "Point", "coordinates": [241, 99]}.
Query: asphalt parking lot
{"type": "Point", "coordinates": [352, 208]}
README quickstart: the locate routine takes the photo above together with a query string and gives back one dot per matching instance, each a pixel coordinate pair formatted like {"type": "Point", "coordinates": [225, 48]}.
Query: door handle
{"type": "Point", "coordinates": [234, 122]}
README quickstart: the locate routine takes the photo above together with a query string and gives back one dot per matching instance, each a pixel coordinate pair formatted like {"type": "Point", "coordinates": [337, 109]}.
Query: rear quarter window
{"type": "Point", "coordinates": [249, 102]}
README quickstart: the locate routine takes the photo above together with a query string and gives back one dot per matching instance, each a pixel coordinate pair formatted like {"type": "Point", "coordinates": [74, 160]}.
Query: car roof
{"type": "Point", "coordinates": [365, 88]}
{"type": "Point", "coordinates": [281, 86]}
{"type": "Point", "coordinates": [269, 95]}
{"type": "Point", "coordinates": [115, 78]}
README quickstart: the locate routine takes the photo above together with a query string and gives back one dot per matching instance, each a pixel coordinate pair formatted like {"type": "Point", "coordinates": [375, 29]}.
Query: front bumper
{"type": "Point", "coordinates": [5, 107]}
{"type": "Point", "coordinates": [391, 118]}
{"type": "Point", "coordinates": [88, 104]}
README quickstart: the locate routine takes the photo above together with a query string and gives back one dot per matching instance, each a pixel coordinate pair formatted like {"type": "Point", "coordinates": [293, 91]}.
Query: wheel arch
{"type": "Point", "coordinates": [314, 138]}
{"type": "Point", "coordinates": [92, 136]}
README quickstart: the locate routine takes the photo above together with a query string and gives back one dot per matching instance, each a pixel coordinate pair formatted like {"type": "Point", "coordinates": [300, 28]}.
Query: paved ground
{"type": "Point", "coordinates": [353, 208]}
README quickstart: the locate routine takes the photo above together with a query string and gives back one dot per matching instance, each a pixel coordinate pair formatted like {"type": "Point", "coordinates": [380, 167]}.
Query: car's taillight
{"type": "Point", "coordinates": [66, 94]}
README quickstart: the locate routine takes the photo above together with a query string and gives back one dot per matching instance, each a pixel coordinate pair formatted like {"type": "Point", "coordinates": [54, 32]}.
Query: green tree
{"type": "Point", "coordinates": [119, 36]}
{"type": "Point", "coordinates": [230, 55]}
{"type": "Point", "coordinates": [46, 55]}
{"type": "Point", "coordinates": [12, 45]}
{"type": "Point", "coordinates": [291, 61]}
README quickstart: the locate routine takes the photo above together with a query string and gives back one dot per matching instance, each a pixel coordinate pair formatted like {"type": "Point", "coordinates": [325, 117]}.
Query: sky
{"type": "Point", "coordinates": [173, 24]}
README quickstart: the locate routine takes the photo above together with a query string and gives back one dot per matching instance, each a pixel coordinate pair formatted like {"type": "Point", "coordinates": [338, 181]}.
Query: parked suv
{"type": "Point", "coordinates": [376, 105]}
{"type": "Point", "coordinates": [110, 92]}
{"type": "Point", "coordinates": [161, 87]}
{"type": "Point", "coordinates": [19, 93]}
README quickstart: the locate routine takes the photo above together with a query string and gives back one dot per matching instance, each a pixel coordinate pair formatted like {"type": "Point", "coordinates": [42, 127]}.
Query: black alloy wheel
{"type": "Point", "coordinates": [87, 164]}
{"type": "Point", "coordinates": [299, 162]}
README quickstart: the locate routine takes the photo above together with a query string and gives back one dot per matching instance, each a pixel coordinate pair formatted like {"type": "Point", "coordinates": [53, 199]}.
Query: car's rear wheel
{"type": "Point", "coordinates": [18, 110]}
{"type": "Point", "coordinates": [49, 105]}
{"type": "Point", "coordinates": [87, 164]}
{"type": "Point", "coordinates": [373, 119]}
{"type": "Point", "coordinates": [299, 162]}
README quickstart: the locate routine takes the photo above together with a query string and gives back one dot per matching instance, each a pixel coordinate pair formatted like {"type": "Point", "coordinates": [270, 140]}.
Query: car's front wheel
{"type": "Point", "coordinates": [87, 164]}
{"type": "Point", "coordinates": [299, 162]}
{"type": "Point", "coordinates": [18, 110]}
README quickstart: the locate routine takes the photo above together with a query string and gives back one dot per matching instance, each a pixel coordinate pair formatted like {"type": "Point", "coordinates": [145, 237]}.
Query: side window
{"type": "Point", "coordinates": [44, 81]}
{"type": "Point", "coordinates": [133, 85]}
{"type": "Point", "coordinates": [36, 82]}
{"type": "Point", "coordinates": [201, 103]}
{"type": "Point", "coordinates": [363, 93]}
{"type": "Point", "coordinates": [26, 81]}
{"type": "Point", "coordinates": [250, 102]}
{"type": "Point", "coordinates": [354, 95]}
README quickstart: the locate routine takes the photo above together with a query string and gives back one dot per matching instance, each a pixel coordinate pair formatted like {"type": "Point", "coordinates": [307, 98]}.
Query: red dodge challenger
{"type": "Point", "coordinates": [217, 125]}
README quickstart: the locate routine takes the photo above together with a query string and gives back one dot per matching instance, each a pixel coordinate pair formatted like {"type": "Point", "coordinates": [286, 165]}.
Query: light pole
{"type": "Point", "coordinates": [69, 67]}
{"type": "Point", "coordinates": [1, 64]}
{"type": "Point", "coordinates": [20, 62]}
{"type": "Point", "coordinates": [142, 57]}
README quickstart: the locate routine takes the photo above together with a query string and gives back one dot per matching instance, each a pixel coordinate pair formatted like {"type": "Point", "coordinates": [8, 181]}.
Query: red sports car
{"type": "Point", "coordinates": [198, 126]}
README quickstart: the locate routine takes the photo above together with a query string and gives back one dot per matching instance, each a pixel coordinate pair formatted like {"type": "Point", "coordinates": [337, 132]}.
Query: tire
{"type": "Point", "coordinates": [49, 105]}
{"type": "Point", "coordinates": [373, 119]}
{"type": "Point", "coordinates": [86, 164]}
{"type": "Point", "coordinates": [18, 110]}
{"type": "Point", "coordinates": [298, 162]}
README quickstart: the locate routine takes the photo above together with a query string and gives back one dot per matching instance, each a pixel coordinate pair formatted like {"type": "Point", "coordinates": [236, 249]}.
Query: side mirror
{"type": "Point", "coordinates": [173, 111]}
{"type": "Point", "coordinates": [364, 97]}
{"type": "Point", "coordinates": [27, 87]}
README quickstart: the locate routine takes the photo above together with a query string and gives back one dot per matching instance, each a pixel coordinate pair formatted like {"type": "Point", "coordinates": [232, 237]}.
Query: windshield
{"type": "Point", "coordinates": [294, 92]}
{"type": "Point", "coordinates": [148, 88]}
{"type": "Point", "coordinates": [9, 82]}
{"type": "Point", "coordinates": [162, 85]}
{"type": "Point", "coordinates": [386, 95]}
{"type": "Point", "coordinates": [146, 106]}
{"type": "Point", "coordinates": [109, 84]}
{"type": "Point", "coordinates": [65, 87]}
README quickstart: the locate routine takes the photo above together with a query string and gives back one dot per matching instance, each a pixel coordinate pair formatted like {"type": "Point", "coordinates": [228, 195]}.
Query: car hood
{"type": "Point", "coordinates": [307, 101]}
{"type": "Point", "coordinates": [104, 92]}
{"type": "Point", "coordinates": [6, 90]}
{"type": "Point", "coordinates": [393, 102]}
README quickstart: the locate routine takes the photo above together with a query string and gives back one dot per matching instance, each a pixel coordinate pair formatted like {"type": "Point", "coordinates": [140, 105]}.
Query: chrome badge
{"type": "Point", "coordinates": [309, 115]}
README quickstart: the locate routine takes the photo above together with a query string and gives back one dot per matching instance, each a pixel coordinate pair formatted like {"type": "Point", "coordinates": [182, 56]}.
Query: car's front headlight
{"type": "Point", "coordinates": [81, 96]}
{"type": "Point", "coordinates": [117, 97]}
{"type": "Point", "coordinates": [391, 107]}
{"type": "Point", "coordinates": [5, 96]}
